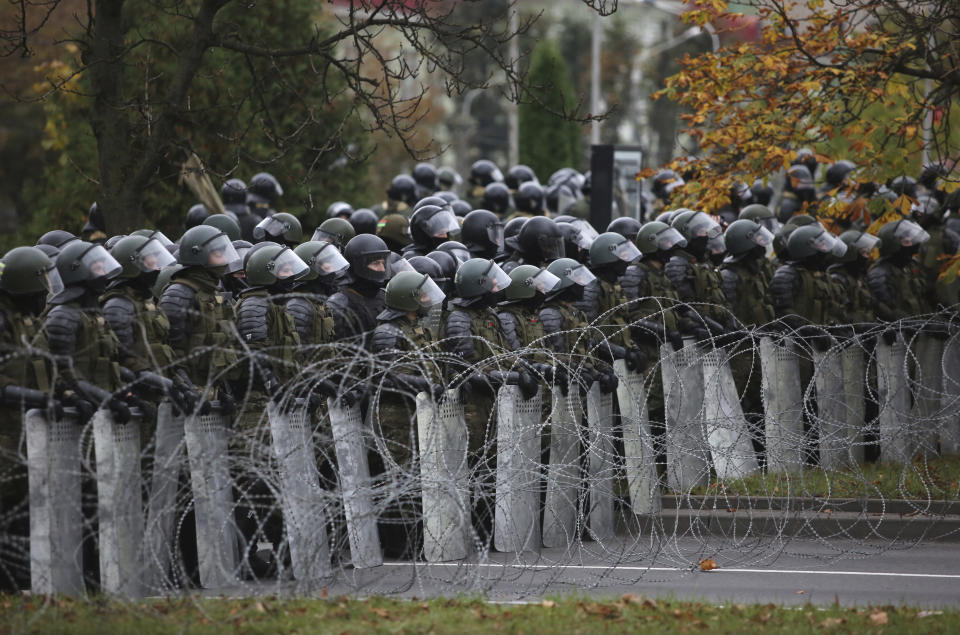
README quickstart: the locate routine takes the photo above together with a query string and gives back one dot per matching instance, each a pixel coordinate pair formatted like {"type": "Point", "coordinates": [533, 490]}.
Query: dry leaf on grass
{"type": "Point", "coordinates": [548, 604]}
{"type": "Point", "coordinates": [879, 618]}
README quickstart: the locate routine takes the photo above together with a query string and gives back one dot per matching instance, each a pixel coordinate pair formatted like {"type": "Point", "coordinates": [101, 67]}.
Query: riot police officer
{"type": "Point", "coordinates": [357, 304]}
{"type": "Point", "coordinates": [336, 231]}
{"type": "Point", "coordinates": [263, 193]}
{"type": "Point", "coordinates": [305, 304]}
{"type": "Point", "coordinates": [394, 229]}
{"type": "Point", "coordinates": [234, 197]}
{"type": "Point", "coordinates": [538, 242]}
{"type": "Point", "coordinates": [430, 226]}
{"type": "Point", "coordinates": [849, 275]}
{"type": "Point", "coordinates": [897, 290]}
{"type": "Point", "coordinates": [401, 195]}
{"type": "Point", "coordinates": [482, 233]}
{"type": "Point", "coordinates": [281, 227]}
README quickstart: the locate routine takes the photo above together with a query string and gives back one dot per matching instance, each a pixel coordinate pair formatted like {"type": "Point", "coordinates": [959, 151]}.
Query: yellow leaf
{"type": "Point", "coordinates": [879, 618]}
{"type": "Point", "coordinates": [708, 564]}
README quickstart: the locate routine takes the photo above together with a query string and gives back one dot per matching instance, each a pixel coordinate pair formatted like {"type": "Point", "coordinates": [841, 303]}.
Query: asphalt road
{"type": "Point", "coordinates": [793, 573]}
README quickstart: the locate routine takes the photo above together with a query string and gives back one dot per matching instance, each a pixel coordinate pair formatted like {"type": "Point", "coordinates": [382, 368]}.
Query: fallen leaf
{"type": "Point", "coordinates": [763, 618]}
{"type": "Point", "coordinates": [384, 613]}
{"type": "Point", "coordinates": [630, 598]}
{"type": "Point", "coordinates": [323, 592]}
{"type": "Point", "coordinates": [548, 604]}
{"type": "Point", "coordinates": [832, 621]}
{"type": "Point", "coordinates": [260, 607]}
{"type": "Point", "coordinates": [603, 610]}
{"type": "Point", "coordinates": [708, 564]}
{"type": "Point", "coordinates": [879, 618]}
{"type": "Point", "coordinates": [800, 592]}
{"type": "Point", "coordinates": [650, 604]}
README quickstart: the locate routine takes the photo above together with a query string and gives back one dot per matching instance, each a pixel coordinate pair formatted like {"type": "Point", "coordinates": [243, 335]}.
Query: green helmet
{"type": "Point", "coordinates": [323, 258]}
{"type": "Point", "coordinates": [743, 235]}
{"type": "Point", "coordinates": [139, 254]}
{"type": "Point", "coordinates": [395, 228]}
{"type": "Point", "coordinates": [81, 262]}
{"type": "Point", "coordinates": [859, 244]}
{"type": "Point", "coordinates": [206, 246]}
{"type": "Point", "coordinates": [811, 240]}
{"type": "Point", "coordinates": [611, 247]}
{"type": "Point", "coordinates": [658, 236]}
{"type": "Point", "coordinates": [570, 273]}
{"type": "Point", "coordinates": [163, 279]}
{"type": "Point", "coordinates": [527, 280]}
{"type": "Point", "coordinates": [273, 263]}
{"type": "Point", "coordinates": [762, 215]}
{"type": "Point", "coordinates": [335, 230]}
{"type": "Point", "coordinates": [412, 291]}
{"type": "Point", "coordinates": [225, 224]}
{"type": "Point", "coordinates": [781, 238]}
{"type": "Point", "coordinates": [478, 276]}
{"type": "Point", "coordinates": [693, 225]}
{"type": "Point", "coordinates": [26, 271]}
{"type": "Point", "coordinates": [154, 233]}
{"type": "Point", "coordinates": [900, 234]}
{"type": "Point", "coordinates": [281, 227]}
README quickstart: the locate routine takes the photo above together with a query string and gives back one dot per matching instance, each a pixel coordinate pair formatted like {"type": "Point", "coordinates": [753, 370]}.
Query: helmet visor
{"type": "Point", "coordinates": [460, 255]}
{"type": "Point", "coordinates": [328, 260]}
{"type": "Point", "coordinates": [827, 243]}
{"type": "Point", "coordinates": [703, 225]}
{"type": "Point", "coordinates": [499, 280]}
{"type": "Point", "coordinates": [715, 245]}
{"type": "Point", "coordinates": [762, 236]}
{"type": "Point", "coordinates": [441, 224]}
{"type": "Point", "coordinates": [160, 237]}
{"type": "Point", "coordinates": [626, 251]}
{"type": "Point", "coordinates": [396, 264]}
{"type": "Point", "coordinates": [865, 244]}
{"type": "Point", "coordinates": [270, 226]}
{"type": "Point", "coordinates": [496, 175]}
{"type": "Point", "coordinates": [153, 256]}
{"type": "Point", "coordinates": [428, 293]}
{"type": "Point", "coordinates": [288, 266]}
{"type": "Point", "coordinates": [551, 247]}
{"type": "Point", "coordinates": [581, 275]}
{"type": "Point", "coordinates": [99, 263]}
{"type": "Point", "coordinates": [670, 238]}
{"type": "Point", "coordinates": [587, 233]}
{"type": "Point", "coordinates": [910, 234]}
{"type": "Point", "coordinates": [543, 281]}
{"type": "Point", "coordinates": [51, 281]}
{"type": "Point", "coordinates": [771, 224]}
{"type": "Point", "coordinates": [495, 234]}
{"type": "Point", "coordinates": [321, 235]}
{"type": "Point", "coordinates": [220, 251]}
{"type": "Point", "coordinates": [671, 184]}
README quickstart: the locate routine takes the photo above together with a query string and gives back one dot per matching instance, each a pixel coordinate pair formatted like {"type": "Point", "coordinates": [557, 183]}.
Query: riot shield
{"type": "Point", "coordinates": [56, 520]}
{"type": "Point", "coordinates": [517, 508]}
{"type": "Point", "coordinates": [301, 499]}
{"type": "Point", "coordinates": [950, 401]}
{"type": "Point", "coordinates": [854, 382]}
{"type": "Point", "coordinates": [782, 405]}
{"type": "Point", "coordinates": [563, 472]}
{"type": "Point", "coordinates": [355, 485]}
{"type": "Point", "coordinates": [728, 435]}
{"type": "Point", "coordinates": [162, 502]}
{"type": "Point", "coordinates": [831, 409]}
{"type": "Point", "coordinates": [601, 462]}
{"type": "Point", "coordinates": [119, 506]}
{"type": "Point", "coordinates": [217, 547]}
{"type": "Point", "coordinates": [639, 456]}
{"type": "Point", "coordinates": [688, 456]}
{"type": "Point", "coordinates": [444, 477]}
{"type": "Point", "coordinates": [927, 393]}
{"type": "Point", "coordinates": [895, 439]}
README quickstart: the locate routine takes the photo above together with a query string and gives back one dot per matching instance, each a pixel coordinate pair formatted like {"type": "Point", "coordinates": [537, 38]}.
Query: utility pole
{"type": "Point", "coordinates": [596, 40]}
{"type": "Point", "coordinates": [513, 119]}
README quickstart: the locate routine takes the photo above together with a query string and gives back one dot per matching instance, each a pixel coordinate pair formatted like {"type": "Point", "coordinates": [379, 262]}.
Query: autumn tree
{"type": "Point", "coordinates": [875, 81]}
{"type": "Point", "coordinates": [145, 70]}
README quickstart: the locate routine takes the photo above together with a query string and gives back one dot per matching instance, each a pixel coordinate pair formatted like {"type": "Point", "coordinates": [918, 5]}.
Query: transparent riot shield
{"type": "Point", "coordinates": [688, 456]}
{"type": "Point", "coordinates": [517, 508]}
{"type": "Point", "coordinates": [159, 537]}
{"type": "Point", "coordinates": [119, 505]}
{"type": "Point", "coordinates": [782, 405]}
{"type": "Point", "coordinates": [563, 472]}
{"type": "Point", "coordinates": [56, 519]}
{"type": "Point", "coordinates": [950, 401]}
{"type": "Point", "coordinates": [831, 409]}
{"type": "Point", "coordinates": [854, 383]}
{"type": "Point", "coordinates": [927, 393]}
{"type": "Point", "coordinates": [302, 500]}
{"type": "Point", "coordinates": [896, 443]}
{"type": "Point", "coordinates": [601, 462]}
{"type": "Point", "coordinates": [728, 435]}
{"type": "Point", "coordinates": [217, 546]}
{"type": "Point", "coordinates": [639, 456]}
{"type": "Point", "coordinates": [444, 477]}
{"type": "Point", "coordinates": [355, 485]}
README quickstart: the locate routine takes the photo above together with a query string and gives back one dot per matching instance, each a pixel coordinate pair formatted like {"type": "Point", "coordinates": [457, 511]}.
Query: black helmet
{"type": "Point", "coordinates": [461, 208]}
{"type": "Point", "coordinates": [447, 178]}
{"type": "Point", "coordinates": [479, 276]}
{"type": "Point", "coordinates": [437, 200]}
{"type": "Point", "coordinates": [225, 224]}
{"type": "Point", "coordinates": [799, 180]}
{"type": "Point", "coordinates": [762, 194]}
{"type": "Point", "coordinates": [808, 159]}
{"type": "Point", "coordinates": [658, 237]}
{"type": "Point", "coordinates": [233, 192]}
{"type": "Point", "coordinates": [781, 238]}
{"type": "Point", "coordinates": [403, 188]}
{"type": "Point", "coordinates": [447, 263]}
{"type": "Point", "coordinates": [425, 175]}
{"type": "Point", "coordinates": [57, 238]}
{"type": "Point", "coordinates": [896, 236]}
{"type": "Point", "coordinates": [456, 249]}
{"type": "Point", "coordinates": [482, 232]}
{"type": "Point", "coordinates": [903, 186]}
{"type": "Point", "coordinates": [428, 266]}
{"type": "Point", "coordinates": [564, 218]}
{"type": "Point", "coordinates": [496, 198]}
{"type": "Point", "coordinates": [529, 198]}
{"type": "Point", "coordinates": [339, 209]}
{"type": "Point", "coordinates": [94, 229]}
{"type": "Point", "coordinates": [625, 226]}
{"type": "Point", "coordinates": [665, 182]}
{"type": "Point", "coordinates": [367, 255]}
{"type": "Point", "coordinates": [932, 174]}
{"type": "Point", "coordinates": [518, 175]}
{"type": "Point", "coordinates": [483, 172]}
{"type": "Point", "coordinates": [432, 225]}
{"type": "Point", "coordinates": [364, 221]}
{"type": "Point", "coordinates": [265, 186]}
{"type": "Point", "coordinates": [558, 197]}
{"type": "Point", "coordinates": [449, 197]}
{"type": "Point", "coordinates": [336, 231]}
{"type": "Point", "coordinates": [540, 240]}
{"type": "Point", "coordinates": [281, 227]}
{"type": "Point", "coordinates": [512, 228]}
{"type": "Point", "coordinates": [196, 215]}
{"type": "Point", "coordinates": [838, 172]}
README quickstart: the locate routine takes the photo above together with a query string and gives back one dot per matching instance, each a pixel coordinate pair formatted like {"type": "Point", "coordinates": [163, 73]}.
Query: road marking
{"type": "Point", "coordinates": [613, 568]}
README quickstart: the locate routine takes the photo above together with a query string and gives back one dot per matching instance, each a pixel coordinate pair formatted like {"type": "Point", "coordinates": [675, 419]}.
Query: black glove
{"type": "Point", "coordinates": [676, 339]}
{"type": "Point", "coordinates": [271, 385]}
{"type": "Point", "coordinates": [636, 360]}
{"type": "Point", "coordinates": [84, 408]}
{"type": "Point", "coordinates": [228, 405]}
{"type": "Point", "coordinates": [499, 378]}
{"type": "Point", "coordinates": [528, 385]}
{"type": "Point", "coordinates": [544, 370]}
{"type": "Point", "coordinates": [352, 397]}
{"type": "Point", "coordinates": [119, 410]}
{"type": "Point", "coordinates": [608, 383]}
{"type": "Point", "coordinates": [561, 379]}
{"type": "Point", "coordinates": [649, 331]}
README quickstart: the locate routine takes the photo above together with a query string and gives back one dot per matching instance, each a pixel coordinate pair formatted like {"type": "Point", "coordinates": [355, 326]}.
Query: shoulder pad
{"type": "Point", "coordinates": [301, 310]}
{"type": "Point", "coordinates": [632, 281]}
{"type": "Point", "coordinates": [509, 323]}
{"type": "Point", "coordinates": [781, 287]}
{"type": "Point", "coordinates": [731, 280]}
{"type": "Point", "coordinates": [337, 302]}
{"type": "Point", "coordinates": [121, 315]}
{"type": "Point", "coordinates": [877, 278]}
{"type": "Point", "coordinates": [458, 335]}
{"type": "Point", "coordinates": [680, 273]}
{"type": "Point", "coordinates": [252, 312]}
{"type": "Point", "coordinates": [176, 303]}
{"type": "Point", "coordinates": [590, 304]}
{"type": "Point", "coordinates": [386, 337]}
{"type": "Point", "coordinates": [61, 326]}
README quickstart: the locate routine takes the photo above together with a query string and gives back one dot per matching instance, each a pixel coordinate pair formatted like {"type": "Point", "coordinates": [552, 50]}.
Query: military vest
{"type": "Point", "coordinates": [650, 298]}
{"type": "Point", "coordinates": [211, 328]}
{"type": "Point", "coordinates": [753, 305]}
{"type": "Point", "coordinates": [95, 354]}
{"type": "Point", "coordinates": [613, 310]}
{"type": "Point", "coordinates": [283, 341]}
{"type": "Point", "coordinates": [16, 364]}
{"type": "Point", "coordinates": [813, 296]}
{"type": "Point", "coordinates": [858, 307]}
{"type": "Point", "coordinates": [150, 333]}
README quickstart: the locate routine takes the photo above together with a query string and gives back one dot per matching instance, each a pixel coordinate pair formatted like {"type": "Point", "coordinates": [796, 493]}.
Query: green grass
{"type": "Point", "coordinates": [931, 479]}
{"type": "Point", "coordinates": [379, 615]}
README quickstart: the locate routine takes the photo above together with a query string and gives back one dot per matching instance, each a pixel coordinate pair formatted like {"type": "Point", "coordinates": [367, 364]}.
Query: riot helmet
{"type": "Point", "coordinates": [529, 198]}
{"type": "Point", "coordinates": [425, 176]}
{"type": "Point", "coordinates": [336, 231]}
{"type": "Point", "coordinates": [837, 172]}
{"type": "Point", "coordinates": [367, 255]}
{"type": "Point", "coordinates": [762, 215]}
{"type": "Point", "coordinates": [264, 188]}
{"type": "Point", "coordinates": [339, 209]}
{"type": "Point", "coordinates": [461, 208]}
{"type": "Point", "coordinates": [403, 189]}
{"type": "Point", "coordinates": [456, 249]}
{"type": "Point", "coordinates": [479, 276]}
{"type": "Point", "coordinates": [704, 235]}
{"type": "Point", "coordinates": [540, 240]}
{"type": "Point", "coordinates": [87, 264]}
{"type": "Point", "coordinates": [658, 239]}
{"type": "Point", "coordinates": [860, 245]}
{"type": "Point", "coordinates": [281, 227]}
{"type": "Point", "coordinates": [496, 198]}
{"type": "Point", "coordinates": [812, 241]}
{"type": "Point", "coordinates": [27, 271]}
{"type": "Point", "coordinates": [323, 258]}
{"type": "Point", "coordinates": [448, 267]}
{"type": "Point", "coordinates": [800, 182]}
{"type": "Point", "coordinates": [573, 278]}
{"type": "Point", "coordinates": [164, 277]}
{"type": "Point", "coordinates": [518, 175]}
{"type": "Point", "coordinates": [448, 179]}
{"type": "Point", "coordinates": [901, 238]}
{"type": "Point", "coordinates": [58, 238]}
{"type": "Point", "coordinates": [437, 200]}
{"type": "Point", "coordinates": [745, 237]}
{"type": "Point", "coordinates": [512, 229]}
{"type": "Point", "coordinates": [449, 197]}
{"type": "Point", "coordinates": [431, 225]}
{"type": "Point", "coordinates": [625, 226]}
{"type": "Point", "coordinates": [903, 186]}
{"type": "Point", "coordinates": [273, 265]}
{"type": "Point", "coordinates": [140, 255]}
{"type": "Point", "coordinates": [208, 247]}
{"type": "Point", "coordinates": [196, 215]}
{"type": "Point", "coordinates": [225, 224]}
{"type": "Point", "coordinates": [233, 192]}
{"type": "Point", "coordinates": [526, 281]}
{"type": "Point", "coordinates": [807, 159]}
{"type": "Point", "coordinates": [483, 172]}
{"type": "Point", "coordinates": [364, 221]}
{"type": "Point", "coordinates": [611, 248]}
{"type": "Point", "coordinates": [482, 232]}
{"type": "Point", "coordinates": [665, 182]}
{"type": "Point", "coordinates": [412, 292]}
{"type": "Point", "coordinates": [762, 193]}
